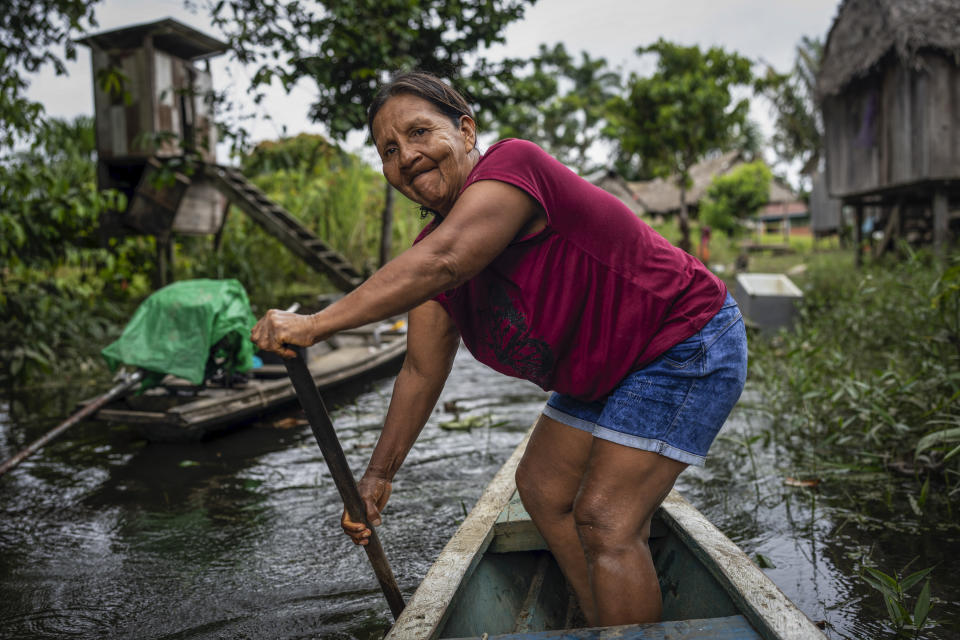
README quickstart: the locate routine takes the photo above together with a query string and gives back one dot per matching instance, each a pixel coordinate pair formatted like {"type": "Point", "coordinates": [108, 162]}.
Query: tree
{"type": "Point", "coordinates": [686, 109]}
{"type": "Point", "coordinates": [736, 196]}
{"type": "Point", "coordinates": [552, 99]}
{"type": "Point", "coordinates": [30, 30]}
{"type": "Point", "coordinates": [49, 201]}
{"type": "Point", "coordinates": [799, 123]}
{"type": "Point", "coordinates": [346, 48]}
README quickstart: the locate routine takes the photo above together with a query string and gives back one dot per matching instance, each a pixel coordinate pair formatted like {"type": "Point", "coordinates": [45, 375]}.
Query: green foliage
{"type": "Point", "coordinates": [552, 99]}
{"type": "Point", "coordinates": [29, 32]}
{"type": "Point", "coordinates": [894, 591]}
{"type": "Point", "coordinates": [59, 291]}
{"type": "Point", "coordinates": [669, 120]}
{"type": "Point", "coordinates": [799, 123]}
{"type": "Point", "coordinates": [299, 153]}
{"type": "Point", "coordinates": [870, 373]}
{"type": "Point", "coordinates": [735, 197]}
{"type": "Point", "coordinates": [49, 201]}
{"type": "Point", "coordinates": [55, 324]}
{"type": "Point", "coordinates": [346, 47]}
{"type": "Point", "coordinates": [334, 193]}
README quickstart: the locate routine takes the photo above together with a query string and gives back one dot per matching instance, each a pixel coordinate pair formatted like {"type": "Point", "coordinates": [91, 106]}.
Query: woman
{"type": "Point", "coordinates": [547, 278]}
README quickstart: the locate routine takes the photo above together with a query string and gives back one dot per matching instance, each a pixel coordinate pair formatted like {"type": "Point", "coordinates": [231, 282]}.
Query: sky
{"type": "Point", "coordinates": [766, 30]}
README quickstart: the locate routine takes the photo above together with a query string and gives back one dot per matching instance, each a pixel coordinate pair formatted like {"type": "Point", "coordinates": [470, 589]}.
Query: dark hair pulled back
{"type": "Point", "coordinates": [423, 85]}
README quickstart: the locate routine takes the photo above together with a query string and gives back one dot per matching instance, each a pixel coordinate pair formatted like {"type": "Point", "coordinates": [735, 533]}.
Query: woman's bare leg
{"type": "Point", "coordinates": [621, 489]}
{"type": "Point", "coordinates": [548, 479]}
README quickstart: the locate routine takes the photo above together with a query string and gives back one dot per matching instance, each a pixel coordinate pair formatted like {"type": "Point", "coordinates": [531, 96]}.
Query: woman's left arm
{"type": "Point", "coordinates": [486, 217]}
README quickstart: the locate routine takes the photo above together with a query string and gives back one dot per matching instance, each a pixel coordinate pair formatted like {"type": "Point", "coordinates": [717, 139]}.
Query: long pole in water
{"type": "Point", "coordinates": [332, 452]}
{"type": "Point", "coordinates": [94, 406]}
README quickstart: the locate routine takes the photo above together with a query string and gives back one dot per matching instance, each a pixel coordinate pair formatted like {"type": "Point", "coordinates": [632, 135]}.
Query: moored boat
{"type": "Point", "coordinates": [176, 410]}
{"type": "Point", "coordinates": [496, 579]}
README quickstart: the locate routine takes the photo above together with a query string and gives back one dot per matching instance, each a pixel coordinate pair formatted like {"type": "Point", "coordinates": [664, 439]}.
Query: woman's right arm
{"type": "Point", "coordinates": [432, 341]}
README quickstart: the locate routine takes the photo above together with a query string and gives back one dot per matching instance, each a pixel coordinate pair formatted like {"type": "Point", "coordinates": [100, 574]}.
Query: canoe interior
{"type": "Point", "coordinates": [517, 591]}
{"type": "Point", "coordinates": [494, 579]}
{"type": "Point", "coordinates": [176, 410]}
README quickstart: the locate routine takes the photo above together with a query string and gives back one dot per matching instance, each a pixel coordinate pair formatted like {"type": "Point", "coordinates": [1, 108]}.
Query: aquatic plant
{"type": "Point", "coordinates": [894, 591]}
{"type": "Point", "coordinates": [868, 376]}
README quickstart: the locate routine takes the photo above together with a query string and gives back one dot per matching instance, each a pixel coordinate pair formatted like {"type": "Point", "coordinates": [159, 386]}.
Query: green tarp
{"type": "Point", "coordinates": [188, 329]}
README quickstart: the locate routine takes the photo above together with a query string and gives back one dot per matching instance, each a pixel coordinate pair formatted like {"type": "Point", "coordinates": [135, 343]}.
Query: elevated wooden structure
{"type": "Point", "coordinates": [888, 88]}
{"type": "Point", "coordinates": [156, 143]}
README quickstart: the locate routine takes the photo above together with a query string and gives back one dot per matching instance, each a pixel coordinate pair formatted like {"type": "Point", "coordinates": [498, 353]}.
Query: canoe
{"type": "Point", "coordinates": [177, 411]}
{"type": "Point", "coordinates": [496, 580]}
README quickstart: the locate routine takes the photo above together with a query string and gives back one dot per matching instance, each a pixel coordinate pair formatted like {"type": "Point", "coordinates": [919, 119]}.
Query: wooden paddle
{"type": "Point", "coordinates": [118, 390]}
{"type": "Point", "coordinates": [332, 452]}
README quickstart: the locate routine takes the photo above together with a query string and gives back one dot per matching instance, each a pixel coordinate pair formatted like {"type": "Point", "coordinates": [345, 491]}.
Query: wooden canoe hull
{"type": "Point", "coordinates": [176, 412]}
{"type": "Point", "coordinates": [495, 578]}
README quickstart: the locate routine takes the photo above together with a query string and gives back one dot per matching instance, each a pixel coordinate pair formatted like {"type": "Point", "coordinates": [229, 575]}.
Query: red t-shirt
{"type": "Point", "coordinates": [594, 296]}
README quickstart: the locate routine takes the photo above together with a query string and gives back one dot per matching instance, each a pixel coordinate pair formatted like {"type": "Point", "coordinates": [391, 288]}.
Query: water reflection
{"type": "Point", "coordinates": [103, 535]}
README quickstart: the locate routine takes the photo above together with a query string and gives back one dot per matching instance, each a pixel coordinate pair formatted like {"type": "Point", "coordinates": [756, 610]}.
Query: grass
{"type": "Point", "coordinates": [868, 375]}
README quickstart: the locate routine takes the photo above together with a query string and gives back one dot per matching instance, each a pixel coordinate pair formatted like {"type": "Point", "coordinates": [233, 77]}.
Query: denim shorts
{"type": "Point", "coordinates": [676, 405]}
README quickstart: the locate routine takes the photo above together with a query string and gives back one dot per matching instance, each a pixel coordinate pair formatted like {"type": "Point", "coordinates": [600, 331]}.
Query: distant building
{"type": "Point", "coordinates": [825, 212]}
{"type": "Point", "coordinates": [888, 88]}
{"type": "Point", "coordinates": [783, 211]}
{"type": "Point", "coordinates": [786, 217]}
{"type": "Point", "coordinates": [662, 196]}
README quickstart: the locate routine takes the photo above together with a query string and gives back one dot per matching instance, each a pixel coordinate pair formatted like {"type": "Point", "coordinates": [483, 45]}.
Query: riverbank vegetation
{"type": "Point", "coordinates": [64, 295]}
{"type": "Point", "coordinates": [869, 377]}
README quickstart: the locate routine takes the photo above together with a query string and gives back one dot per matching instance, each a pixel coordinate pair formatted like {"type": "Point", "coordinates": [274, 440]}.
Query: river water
{"type": "Point", "coordinates": [103, 535]}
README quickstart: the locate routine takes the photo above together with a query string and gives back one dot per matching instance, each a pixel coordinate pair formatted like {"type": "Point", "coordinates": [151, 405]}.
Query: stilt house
{"type": "Point", "coordinates": [889, 88]}
{"type": "Point", "coordinates": [156, 143]}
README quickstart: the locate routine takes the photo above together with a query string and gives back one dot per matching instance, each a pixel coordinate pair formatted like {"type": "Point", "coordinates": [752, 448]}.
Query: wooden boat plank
{"type": "Point", "coordinates": [773, 614]}
{"type": "Point", "coordinates": [338, 364]}
{"type": "Point", "coordinates": [178, 411]}
{"type": "Point", "coordinates": [130, 416]}
{"type": "Point", "coordinates": [259, 397]}
{"type": "Point", "coordinates": [488, 585]}
{"type": "Point", "coordinates": [727, 628]}
{"type": "Point", "coordinates": [429, 607]}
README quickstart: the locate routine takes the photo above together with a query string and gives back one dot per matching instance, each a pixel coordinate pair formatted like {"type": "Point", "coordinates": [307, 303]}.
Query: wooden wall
{"type": "Point", "coordinates": [167, 95]}
{"type": "Point", "coordinates": [895, 128]}
{"type": "Point", "coordinates": [825, 212]}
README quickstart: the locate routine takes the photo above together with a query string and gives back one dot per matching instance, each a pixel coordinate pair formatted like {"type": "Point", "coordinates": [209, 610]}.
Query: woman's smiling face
{"type": "Point", "coordinates": [425, 155]}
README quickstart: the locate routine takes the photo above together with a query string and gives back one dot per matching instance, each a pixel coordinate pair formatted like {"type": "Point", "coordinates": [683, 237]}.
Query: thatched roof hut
{"type": "Point", "coordinates": [867, 30]}
{"type": "Point", "coordinates": [662, 196]}
{"type": "Point", "coordinates": [889, 88]}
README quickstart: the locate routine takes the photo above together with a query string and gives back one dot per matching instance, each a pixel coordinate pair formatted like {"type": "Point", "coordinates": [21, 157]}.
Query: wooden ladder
{"type": "Point", "coordinates": [279, 223]}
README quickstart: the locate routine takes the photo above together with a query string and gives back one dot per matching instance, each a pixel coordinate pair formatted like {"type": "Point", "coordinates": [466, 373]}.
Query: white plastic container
{"type": "Point", "coordinates": [768, 300]}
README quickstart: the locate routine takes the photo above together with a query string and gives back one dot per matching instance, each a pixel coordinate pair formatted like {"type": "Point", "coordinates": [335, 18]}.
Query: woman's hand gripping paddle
{"type": "Point", "coordinates": [332, 452]}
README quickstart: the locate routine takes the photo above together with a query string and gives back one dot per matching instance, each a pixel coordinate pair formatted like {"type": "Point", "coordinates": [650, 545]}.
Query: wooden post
{"type": "Point", "coordinates": [218, 236]}
{"type": "Point", "coordinates": [386, 226]}
{"type": "Point", "coordinates": [858, 234]}
{"type": "Point", "coordinates": [891, 232]}
{"type": "Point", "coordinates": [164, 273]}
{"type": "Point", "coordinates": [940, 222]}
